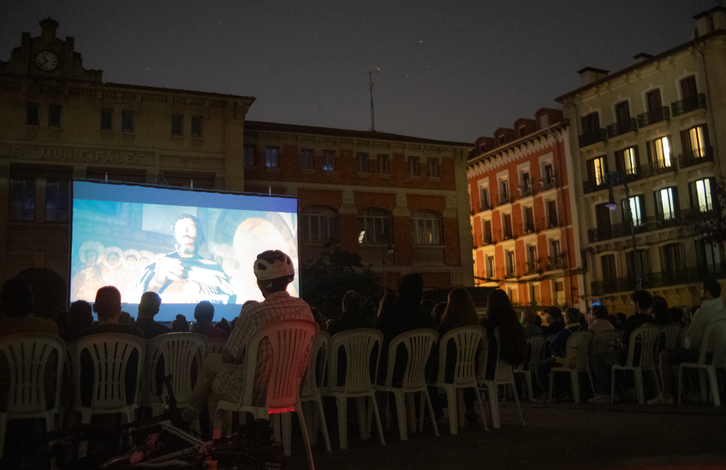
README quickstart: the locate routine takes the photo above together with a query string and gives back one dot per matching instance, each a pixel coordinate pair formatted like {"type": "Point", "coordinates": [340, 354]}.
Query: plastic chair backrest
{"type": "Point", "coordinates": [418, 344]}
{"type": "Point", "coordinates": [314, 376]}
{"type": "Point", "coordinates": [358, 345]}
{"type": "Point", "coordinates": [466, 339]}
{"type": "Point", "coordinates": [502, 369]}
{"type": "Point", "coordinates": [577, 350]}
{"type": "Point", "coordinates": [290, 342]}
{"type": "Point", "coordinates": [714, 340]}
{"type": "Point", "coordinates": [604, 341]}
{"type": "Point", "coordinates": [110, 354]}
{"type": "Point", "coordinates": [215, 346]}
{"type": "Point", "coordinates": [535, 347]}
{"type": "Point", "coordinates": [27, 356]}
{"type": "Point", "coordinates": [670, 333]}
{"type": "Point", "coordinates": [644, 338]}
{"type": "Point", "coordinates": [180, 351]}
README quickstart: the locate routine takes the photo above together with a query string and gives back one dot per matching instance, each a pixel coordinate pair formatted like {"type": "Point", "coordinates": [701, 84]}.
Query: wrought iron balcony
{"type": "Point", "coordinates": [510, 274]}
{"type": "Point", "coordinates": [591, 187]}
{"type": "Point", "coordinates": [556, 262]}
{"type": "Point", "coordinates": [658, 167]}
{"type": "Point", "coordinates": [593, 137]}
{"type": "Point", "coordinates": [547, 184]}
{"type": "Point", "coordinates": [599, 234]}
{"type": "Point", "coordinates": [531, 267]}
{"type": "Point", "coordinates": [504, 199]}
{"type": "Point", "coordinates": [689, 104]}
{"type": "Point", "coordinates": [527, 190]}
{"type": "Point", "coordinates": [660, 279]}
{"type": "Point", "coordinates": [428, 255]}
{"type": "Point", "coordinates": [694, 157]}
{"type": "Point", "coordinates": [622, 127]}
{"type": "Point", "coordinates": [653, 116]}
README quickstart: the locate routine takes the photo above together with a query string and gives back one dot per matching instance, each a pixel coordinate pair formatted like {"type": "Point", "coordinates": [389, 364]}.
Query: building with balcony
{"type": "Point", "coordinates": [399, 201]}
{"type": "Point", "coordinates": [658, 124]}
{"type": "Point", "coordinates": [522, 206]}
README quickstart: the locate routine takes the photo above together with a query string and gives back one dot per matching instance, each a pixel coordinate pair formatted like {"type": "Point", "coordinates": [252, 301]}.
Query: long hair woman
{"type": "Point", "coordinates": [500, 314]}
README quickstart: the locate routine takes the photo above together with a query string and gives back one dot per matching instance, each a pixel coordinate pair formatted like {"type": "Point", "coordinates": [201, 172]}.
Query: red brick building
{"type": "Point", "coordinates": [522, 210]}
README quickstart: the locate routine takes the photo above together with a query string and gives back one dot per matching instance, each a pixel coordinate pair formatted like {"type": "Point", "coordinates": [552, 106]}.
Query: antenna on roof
{"type": "Point", "coordinates": [370, 83]}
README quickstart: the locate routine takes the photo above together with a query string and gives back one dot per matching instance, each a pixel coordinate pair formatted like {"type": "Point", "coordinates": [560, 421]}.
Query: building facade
{"type": "Point", "coordinates": [59, 121]}
{"type": "Point", "coordinates": [522, 208]}
{"type": "Point", "coordinates": [651, 134]}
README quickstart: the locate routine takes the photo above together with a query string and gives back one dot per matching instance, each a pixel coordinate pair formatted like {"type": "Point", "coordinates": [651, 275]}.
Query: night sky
{"type": "Point", "coordinates": [448, 70]}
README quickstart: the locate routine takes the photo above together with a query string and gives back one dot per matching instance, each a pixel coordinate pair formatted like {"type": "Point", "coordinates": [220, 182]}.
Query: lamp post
{"type": "Point", "coordinates": [614, 178]}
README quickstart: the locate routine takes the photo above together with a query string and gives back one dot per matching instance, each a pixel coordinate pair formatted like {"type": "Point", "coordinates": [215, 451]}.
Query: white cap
{"type": "Point", "coordinates": [265, 271]}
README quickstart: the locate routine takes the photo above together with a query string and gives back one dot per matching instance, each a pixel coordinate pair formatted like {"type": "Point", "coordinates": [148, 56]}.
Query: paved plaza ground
{"type": "Point", "coordinates": [557, 436]}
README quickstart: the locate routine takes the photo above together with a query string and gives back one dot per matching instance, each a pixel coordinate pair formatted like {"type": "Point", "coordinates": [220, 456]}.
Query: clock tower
{"type": "Point", "coordinates": [48, 57]}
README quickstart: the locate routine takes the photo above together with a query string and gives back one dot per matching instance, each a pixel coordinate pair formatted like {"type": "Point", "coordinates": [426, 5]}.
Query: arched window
{"type": "Point", "coordinates": [374, 227]}
{"type": "Point", "coordinates": [426, 228]}
{"type": "Point", "coordinates": [318, 225]}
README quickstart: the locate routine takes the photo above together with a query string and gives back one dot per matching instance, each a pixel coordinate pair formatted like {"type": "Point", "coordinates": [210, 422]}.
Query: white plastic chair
{"type": "Point", "coordinates": [418, 344]}
{"type": "Point", "coordinates": [576, 362]}
{"type": "Point", "coordinates": [643, 337]}
{"type": "Point", "coordinates": [110, 354]}
{"type": "Point", "coordinates": [179, 351]}
{"type": "Point", "coordinates": [312, 385]}
{"type": "Point", "coordinates": [215, 346]}
{"type": "Point", "coordinates": [670, 333]}
{"type": "Point", "coordinates": [503, 375]}
{"type": "Point", "coordinates": [27, 357]}
{"type": "Point", "coordinates": [714, 340]}
{"type": "Point", "coordinates": [358, 345]}
{"type": "Point", "coordinates": [535, 348]}
{"type": "Point", "coordinates": [290, 344]}
{"type": "Point", "coordinates": [467, 340]}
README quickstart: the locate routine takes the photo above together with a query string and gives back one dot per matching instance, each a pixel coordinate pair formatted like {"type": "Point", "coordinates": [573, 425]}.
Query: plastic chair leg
{"type": "Point", "coordinates": [360, 407]}
{"type": "Point", "coordinates": [528, 379]}
{"type": "Point", "coordinates": [516, 400]}
{"type": "Point", "coordinates": [303, 429]}
{"type": "Point", "coordinates": [342, 403]}
{"type": "Point", "coordinates": [704, 386]}
{"type": "Point", "coordinates": [378, 418]}
{"type": "Point", "coordinates": [680, 383]}
{"type": "Point", "coordinates": [493, 390]}
{"type": "Point", "coordinates": [431, 412]}
{"type": "Point", "coordinates": [453, 412]}
{"type": "Point", "coordinates": [460, 408]}
{"type": "Point", "coordinates": [575, 385]}
{"type": "Point", "coordinates": [638, 381]}
{"type": "Point", "coordinates": [410, 400]}
{"type": "Point", "coordinates": [401, 415]}
{"type": "Point", "coordinates": [324, 425]}
{"type": "Point", "coordinates": [481, 407]}
{"type": "Point", "coordinates": [714, 386]}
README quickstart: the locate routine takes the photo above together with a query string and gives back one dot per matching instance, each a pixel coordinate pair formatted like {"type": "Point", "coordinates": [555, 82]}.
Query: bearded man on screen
{"type": "Point", "coordinates": [184, 275]}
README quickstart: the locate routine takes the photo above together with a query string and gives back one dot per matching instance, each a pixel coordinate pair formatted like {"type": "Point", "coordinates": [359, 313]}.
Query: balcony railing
{"type": "Point", "coordinates": [660, 279]}
{"type": "Point", "coordinates": [376, 255]}
{"type": "Point", "coordinates": [592, 186]}
{"type": "Point", "coordinates": [556, 262]}
{"type": "Point", "coordinates": [505, 199]}
{"type": "Point", "coordinates": [483, 240]}
{"type": "Point", "coordinates": [689, 104]}
{"type": "Point", "coordinates": [694, 157]}
{"type": "Point", "coordinates": [531, 267]}
{"type": "Point", "coordinates": [547, 184]}
{"type": "Point", "coordinates": [621, 230]}
{"type": "Point", "coordinates": [622, 127]}
{"type": "Point", "coordinates": [314, 252]}
{"type": "Point", "coordinates": [658, 167]}
{"type": "Point", "coordinates": [653, 116]}
{"type": "Point", "coordinates": [510, 274]}
{"type": "Point", "coordinates": [593, 137]}
{"type": "Point", "coordinates": [526, 190]}
{"type": "Point", "coordinates": [428, 255]}
{"type": "Point", "coordinates": [507, 233]}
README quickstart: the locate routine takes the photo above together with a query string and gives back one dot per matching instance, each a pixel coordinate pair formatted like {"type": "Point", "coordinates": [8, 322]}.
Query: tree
{"type": "Point", "coordinates": [324, 283]}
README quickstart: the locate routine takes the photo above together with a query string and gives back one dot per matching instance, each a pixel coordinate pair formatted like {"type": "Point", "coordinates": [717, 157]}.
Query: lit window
{"type": "Point", "coordinates": [328, 160]}
{"type": "Point", "coordinates": [426, 228]}
{"type": "Point", "coordinates": [660, 152]}
{"type": "Point", "coordinates": [698, 141]}
{"type": "Point", "coordinates": [433, 167]}
{"type": "Point", "coordinates": [703, 194]}
{"type": "Point", "coordinates": [361, 162]}
{"type": "Point", "coordinates": [383, 164]}
{"type": "Point", "coordinates": [413, 166]}
{"type": "Point", "coordinates": [306, 159]}
{"type": "Point", "coordinates": [666, 203]}
{"type": "Point", "coordinates": [374, 227]}
{"type": "Point", "coordinates": [317, 225]}
{"type": "Point", "coordinates": [271, 160]}
{"type": "Point", "coordinates": [596, 170]}
{"type": "Point", "coordinates": [630, 162]}
{"type": "Point", "coordinates": [636, 210]}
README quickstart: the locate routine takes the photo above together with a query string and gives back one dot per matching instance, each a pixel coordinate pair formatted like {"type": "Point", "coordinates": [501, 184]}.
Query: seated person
{"type": "Point", "coordinates": [80, 318]}
{"type": "Point", "coordinates": [204, 314]}
{"type": "Point", "coordinates": [712, 310]}
{"type": "Point", "coordinates": [555, 322]}
{"type": "Point", "coordinates": [352, 316]}
{"type": "Point", "coordinates": [148, 308]}
{"type": "Point", "coordinates": [642, 303]}
{"type": "Point", "coordinates": [528, 323]}
{"type": "Point", "coordinates": [558, 348]}
{"type": "Point", "coordinates": [17, 317]}
{"type": "Point", "coordinates": [599, 319]}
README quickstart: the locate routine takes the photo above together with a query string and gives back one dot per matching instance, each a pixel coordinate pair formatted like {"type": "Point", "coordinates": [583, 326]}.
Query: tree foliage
{"type": "Point", "coordinates": [324, 283]}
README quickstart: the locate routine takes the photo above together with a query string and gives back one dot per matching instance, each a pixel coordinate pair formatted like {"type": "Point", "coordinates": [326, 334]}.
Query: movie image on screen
{"type": "Point", "coordinates": [187, 246]}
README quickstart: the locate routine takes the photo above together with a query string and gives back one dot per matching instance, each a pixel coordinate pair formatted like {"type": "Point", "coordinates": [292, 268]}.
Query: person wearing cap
{"type": "Point", "coordinates": [222, 376]}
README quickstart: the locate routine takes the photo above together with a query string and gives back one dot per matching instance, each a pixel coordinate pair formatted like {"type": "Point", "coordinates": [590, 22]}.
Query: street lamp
{"type": "Point", "coordinates": [614, 178]}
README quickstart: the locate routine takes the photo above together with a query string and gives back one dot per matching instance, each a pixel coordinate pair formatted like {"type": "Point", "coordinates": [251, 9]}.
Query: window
{"type": "Point", "coordinates": [528, 219]}
{"type": "Point", "coordinates": [637, 210]}
{"type": "Point", "coordinates": [318, 225]}
{"type": "Point", "coordinates": [361, 162]}
{"type": "Point", "coordinates": [590, 124]}
{"type": "Point", "coordinates": [177, 124]}
{"type": "Point", "coordinates": [484, 198]}
{"type": "Point", "coordinates": [489, 265]}
{"type": "Point", "coordinates": [127, 121]}
{"type": "Point", "coordinates": [426, 228]}
{"type": "Point", "coordinates": [503, 191]}
{"type": "Point", "coordinates": [670, 260]}
{"type": "Point", "coordinates": [522, 131]}
{"type": "Point", "coordinates": [413, 166]}
{"type": "Point", "coordinates": [688, 88]}
{"type": "Point", "coordinates": [512, 294]}
{"type": "Point", "coordinates": [306, 159]}
{"type": "Point", "coordinates": [701, 189]}
{"type": "Point", "coordinates": [32, 114]}
{"type": "Point", "coordinates": [107, 119]}
{"type": "Point", "coordinates": [659, 152]}
{"type": "Point", "coordinates": [602, 215]}
{"type": "Point", "coordinates": [249, 155]}
{"type": "Point", "coordinates": [57, 200]}
{"type": "Point", "coordinates": [526, 184]}
{"type": "Point", "coordinates": [383, 164]}
{"type": "Point", "coordinates": [543, 122]}
{"type": "Point", "coordinates": [487, 231]}
{"type": "Point", "coordinates": [271, 160]}
{"type": "Point", "coordinates": [609, 273]}
{"type": "Point", "coordinates": [532, 263]}
{"type": "Point", "coordinates": [54, 115]}
{"type": "Point", "coordinates": [534, 294]}
{"type": "Point", "coordinates": [709, 255]}
{"type": "Point", "coordinates": [509, 263]}
{"type": "Point", "coordinates": [559, 292]}
{"type": "Point", "coordinates": [507, 226]}
{"type": "Point", "coordinates": [549, 175]}
{"type": "Point", "coordinates": [666, 202]}
{"type": "Point", "coordinates": [328, 160]}
{"type": "Point", "coordinates": [695, 141]}
{"type": "Point", "coordinates": [643, 259]}
{"type": "Point", "coordinates": [653, 100]}
{"type": "Point", "coordinates": [433, 168]}
{"type": "Point", "coordinates": [22, 200]}
{"type": "Point", "coordinates": [197, 126]}
{"type": "Point", "coordinates": [622, 113]}
{"type": "Point", "coordinates": [596, 169]}
{"type": "Point", "coordinates": [374, 227]}
{"type": "Point", "coordinates": [552, 213]}
{"type": "Point", "coordinates": [627, 161]}
{"type": "Point", "coordinates": [555, 249]}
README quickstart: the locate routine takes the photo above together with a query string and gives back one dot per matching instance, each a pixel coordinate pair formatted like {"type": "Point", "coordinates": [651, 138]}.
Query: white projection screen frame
{"type": "Point", "coordinates": [186, 245]}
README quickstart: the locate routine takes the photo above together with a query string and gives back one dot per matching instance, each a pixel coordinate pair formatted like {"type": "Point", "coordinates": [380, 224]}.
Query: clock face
{"type": "Point", "coordinates": [46, 60]}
